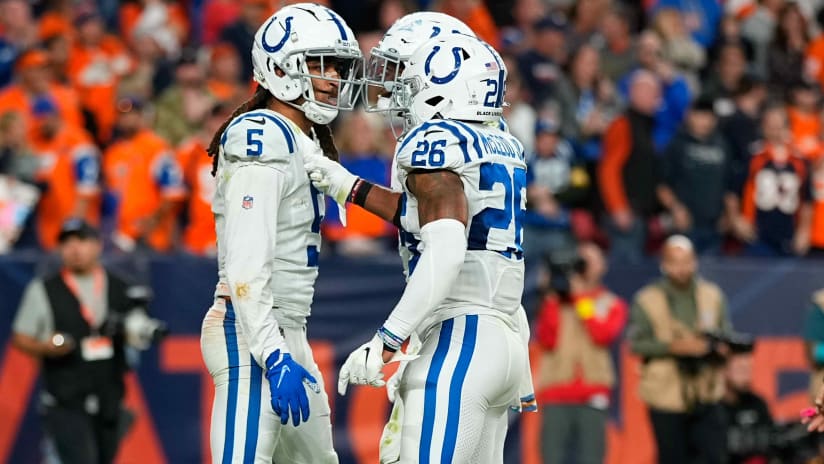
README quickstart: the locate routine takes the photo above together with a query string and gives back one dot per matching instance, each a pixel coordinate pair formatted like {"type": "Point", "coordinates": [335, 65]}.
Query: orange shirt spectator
{"type": "Point", "coordinates": [34, 80]}
{"type": "Point", "coordinates": [69, 169]}
{"type": "Point", "coordinates": [96, 63]}
{"type": "Point", "coordinates": [199, 235]}
{"type": "Point", "coordinates": [145, 178]}
{"type": "Point", "coordinates": [805, 119]}
{"type": "Point", "coordinates": [814, 60]}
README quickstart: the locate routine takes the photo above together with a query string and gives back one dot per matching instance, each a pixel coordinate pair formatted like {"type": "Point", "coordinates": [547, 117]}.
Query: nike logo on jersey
{"type": "Point", "coordinates": [366, 359]}
{"type": "Point", "coordinates": [260, 121]}
{"type": "Point", "coordinates": [433, 131]}
{"type": "Point", "coordinates": [282, 374]}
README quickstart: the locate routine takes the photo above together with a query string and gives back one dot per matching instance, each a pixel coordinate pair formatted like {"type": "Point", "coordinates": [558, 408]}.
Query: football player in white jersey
{"type": "Point", "coordinates": [460, 215]}
{"type": "Point", "coordinates": [268, 216]}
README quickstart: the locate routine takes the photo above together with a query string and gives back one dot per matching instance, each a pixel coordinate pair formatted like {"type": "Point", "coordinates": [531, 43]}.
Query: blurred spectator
{"type": "Point", "coordinates": [224, 74]}
{"type": "Point", "coordinates": [145, 181]}
{"type": "Point", "coordinates": [730, 67]}
{"type": "Point", "coordinates": [17, 159]}
{"type": "Point", "coordinates": [775, 211]}
{"type": "Point", "coordinates": [578, 321]}
{"type": "Point", "coordinates": [58, 47]}
{"type": "Point", "coordinates": [217, 14]}
{"type": "Point", "coordinates": [516, 37]}
{"type": "Point", "coordinates": [19, 33]}
{"type": "Point", "coordinates": [730, 34]}
{"type": "Point", "coordinates": [589, 102]}
{"type": "Point", "coordinates": [814, 55]}
{"type": "Point", "coordinates": [759, 26]}
{"type": "Point", "coordinates": [675, 92]}
{"type": "Point", "coordinates": [786, 57]}
{"type": "Point", "coordinates": [698, 155]}
{"type": "Point", "coordinates": [678, 46]}
{"type": "Point", "coordinates": [476, 15]}
{"type": "Point", "coordinates": [34, 80]}
{"type": "Point", "coordinates": [241, 33]}
{"type": "Point", "coordinates": [69, 172]}
{"type": "Point", "coordinates": [749, 423]}
{"type": "Point", "coordinates": [701, 17]}
{"type": "Point", "coordinates": [585, 19]}
{"type": "Point", "coordinates": [804, 114]}
{"type": "Point", "coordinates": [181, 109]}
{"type": "Point", "coordinates": [166, 20]}
{"type": "Point", "coordinates": [96, 63]}
{"type": "Point", "coordinates": [817, 195]}
{"type": "Point", "coordinates": [681, 381]}
{"type": "Point", "coordinates": [19, 167]}
{"type": "Point", "coordinates": [199, 234]}
{"type": "Point", "coordinates": [150, 72]}
{"type": "Point", "coordinates": [519, 115]}
{"type": "Point", "coordinates": [619, 51]}
{"type": "Point", "coordinates": [72, 323]}
{"type": "Point", "coordinates": [556, 182]}
{"type": "Point", "coordinates": [627, 172]}
{"type": "Point", "coordinates": [742, 129]}
{"type": "Point", "coordinates": [361, 153]}
{"type": "Point", "coordinates": [540, 67]}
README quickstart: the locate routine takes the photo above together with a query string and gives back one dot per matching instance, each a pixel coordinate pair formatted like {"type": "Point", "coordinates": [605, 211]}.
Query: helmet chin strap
{"type": "Point", "coordinates": [315, 112]}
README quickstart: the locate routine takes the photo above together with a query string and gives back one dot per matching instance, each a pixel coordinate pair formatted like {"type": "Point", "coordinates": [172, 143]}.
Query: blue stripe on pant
{"type": "Point", "coordinates": [255, 385]}
{"type": "Point", "coordinates": [455, 388]}
{"type": "Point", "coordinates": [231, 404]}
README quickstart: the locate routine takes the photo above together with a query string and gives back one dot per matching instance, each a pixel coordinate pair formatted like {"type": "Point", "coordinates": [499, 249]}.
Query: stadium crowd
{"type": "Point", "coordinates": [639, 119]}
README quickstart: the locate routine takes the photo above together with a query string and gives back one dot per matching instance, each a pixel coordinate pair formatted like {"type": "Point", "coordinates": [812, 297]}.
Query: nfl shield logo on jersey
{"type": "Point", "coordinates": [248, 200]}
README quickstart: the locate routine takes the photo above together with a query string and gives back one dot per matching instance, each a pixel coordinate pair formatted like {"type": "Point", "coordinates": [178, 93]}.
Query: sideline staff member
{"type": "Point", "coordinates": [65, 320]}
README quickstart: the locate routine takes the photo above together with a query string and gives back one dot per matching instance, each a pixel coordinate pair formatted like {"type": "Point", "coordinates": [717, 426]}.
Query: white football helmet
{"type": "Point", "coordinates": [388, 58]}
{"type": "Point", "coordinates": [456, 77]}
{"type": "Point", "coordinates": [304, 32]}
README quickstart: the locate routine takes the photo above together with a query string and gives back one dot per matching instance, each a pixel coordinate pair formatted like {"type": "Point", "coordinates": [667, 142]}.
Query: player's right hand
{"type": "Point", "coordinates": [286, 386]}
{"type": "Point", "coordinates": [364, 366]}
{"type": "Point", "coordinates": [329, 177]}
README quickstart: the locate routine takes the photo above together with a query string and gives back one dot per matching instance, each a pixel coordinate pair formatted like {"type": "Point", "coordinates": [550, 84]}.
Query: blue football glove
{"type": "Point", "coordinates": [286, 378]}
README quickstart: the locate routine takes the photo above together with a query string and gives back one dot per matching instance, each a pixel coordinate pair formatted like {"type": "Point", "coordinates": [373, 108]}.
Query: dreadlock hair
{"type": "Point", "coordinates": [255, 102]}
{"type": "Point", "coordinates": [327, 143]}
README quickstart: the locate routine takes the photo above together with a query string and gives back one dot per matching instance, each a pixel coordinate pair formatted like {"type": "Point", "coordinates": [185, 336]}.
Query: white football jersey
{"type": "Point", "coordinates": [264, 138]}
{"type": "Point", "coordinates": [490, 163]}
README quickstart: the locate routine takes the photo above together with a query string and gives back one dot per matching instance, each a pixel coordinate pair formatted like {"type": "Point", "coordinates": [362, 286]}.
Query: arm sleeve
{"type": "Point", "coordinates": [617, 145]}
{"type": "Point", "coordinates": [252, 200]}
{"type": "Point", "coordinates": [444, 249]}
{"type": "Point", "coordinates": [604, 330]}
{"type": "Point", "coordinates": [34, 315]}
{"type": "Point", "coordinates": [641, 336]}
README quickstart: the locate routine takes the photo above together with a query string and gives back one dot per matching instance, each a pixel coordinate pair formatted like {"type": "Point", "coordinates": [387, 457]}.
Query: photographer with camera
{"type": "Point", "coordinates": [682, 378]}
{"type": "Point", "coordinates": [77, 323]}
{"type": "Point", "coordinates": [578, 322]}
{"type": "Point", "coordinates": [750, 428]}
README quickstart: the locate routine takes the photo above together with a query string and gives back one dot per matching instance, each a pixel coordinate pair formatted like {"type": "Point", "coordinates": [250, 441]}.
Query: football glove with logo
{"type": "Point", "coordinates": [286, 385]}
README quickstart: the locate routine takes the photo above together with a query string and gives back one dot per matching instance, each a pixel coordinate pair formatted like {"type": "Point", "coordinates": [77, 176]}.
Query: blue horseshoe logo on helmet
{"type": "Point", "coordinates": [276, 47]}
{"type": "Point", "coordinates": [456, 53]}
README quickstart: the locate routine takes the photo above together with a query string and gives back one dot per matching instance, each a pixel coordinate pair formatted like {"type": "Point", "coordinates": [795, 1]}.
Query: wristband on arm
{"type": "Point", "coordinates": [359, 192]}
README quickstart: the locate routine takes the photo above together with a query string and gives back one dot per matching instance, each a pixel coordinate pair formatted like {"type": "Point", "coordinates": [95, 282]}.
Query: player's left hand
{"type": "Point", "coordinates": [364, 366]}
{"type": "Point", "coordinates": [286, 387]}
{"type": "Point", "coordinates": [814, 417]}
{"type": "Point", "coordinates": [330, 177]}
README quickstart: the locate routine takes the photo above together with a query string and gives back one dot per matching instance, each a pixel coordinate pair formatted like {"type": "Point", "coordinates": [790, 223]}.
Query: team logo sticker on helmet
{"type": "Point", "coordinates": [248, 202]}
{"type": "Point", "coordinates": [456, 53]}
{"type": "Point", "coordinates": [276, 47]}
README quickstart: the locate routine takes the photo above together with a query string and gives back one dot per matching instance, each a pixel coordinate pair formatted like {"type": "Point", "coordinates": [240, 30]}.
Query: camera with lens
{"type": "Point", "coordinates": [139, 330]}
{"type": "Point", "coordinates": [737, 343]}
{"type": "Point", "coordinates": [562, 265]}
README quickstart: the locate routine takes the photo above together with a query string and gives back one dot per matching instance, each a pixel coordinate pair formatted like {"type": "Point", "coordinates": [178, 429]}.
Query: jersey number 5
{"type": "Point", "coordinates": [500, 218]}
